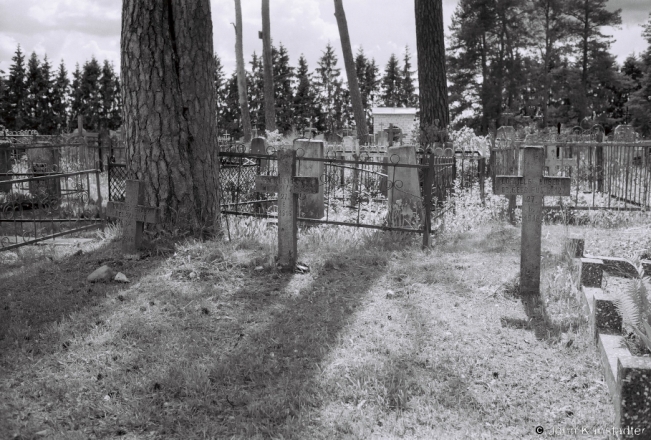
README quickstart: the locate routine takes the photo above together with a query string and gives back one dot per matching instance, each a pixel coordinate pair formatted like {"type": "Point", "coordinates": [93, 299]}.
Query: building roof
{"type": "Point", "coordinates": [394, 111]}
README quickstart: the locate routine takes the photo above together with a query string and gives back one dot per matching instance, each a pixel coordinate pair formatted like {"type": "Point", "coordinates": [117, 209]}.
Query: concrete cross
{"type": "Point", "coordinates": [288, 186]}
{"type": "Point", "coordinates": [532, 186]}
{"type": "Point", "coordinates": [133, 215]}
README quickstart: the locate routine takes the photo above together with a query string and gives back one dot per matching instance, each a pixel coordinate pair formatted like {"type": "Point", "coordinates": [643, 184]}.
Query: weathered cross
{"type": "Point", "coordinates": [288, 186]}
{"type": "Point", "coordinates": [133, 215]}
{"type": "Point", "coordinates": [532, 186]}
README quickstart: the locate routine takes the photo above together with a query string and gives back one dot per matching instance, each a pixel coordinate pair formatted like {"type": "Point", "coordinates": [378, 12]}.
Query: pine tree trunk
{"type": "Point", "coordinates": [431, 63]}
{"type": "Point", "coordinates": [169, 109]}
{"type": "Point", "coordinates": [351, 73]}
{"type": "Point", "coordinates": [269, 101]}
{"type": "Point", "coordinates": [241, 74]}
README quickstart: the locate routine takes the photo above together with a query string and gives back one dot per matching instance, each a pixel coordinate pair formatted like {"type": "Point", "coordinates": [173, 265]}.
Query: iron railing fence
{"type": "Point", "coordinates": [356, 192]}
{"type": "Point", "coordinates": [36, 209]}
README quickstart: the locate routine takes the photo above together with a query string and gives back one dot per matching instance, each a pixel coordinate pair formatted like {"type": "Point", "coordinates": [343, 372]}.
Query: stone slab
{"type": "Point", "coordinates": [633, 409]}
{"type": "Point", "coordinates": [403, 186]}
{"type": "Point", "coordinates": [313, 204]}
{"type": "Point", "coordinates": [604, 316]}
{"type": "Point", "coordinates": [611, 348]}
{"type": "Point", "coordinates": [590, 272]}
{"type": "Point", "coordinates": [619, 267]}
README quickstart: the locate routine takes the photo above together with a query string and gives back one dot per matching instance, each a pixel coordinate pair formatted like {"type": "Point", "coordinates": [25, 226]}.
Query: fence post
{"type": "Point", "coordinates": [427, 201]}
{"type": "Point", "coordinates": [99, 197]}
{"type": "Point", "coordinates": [355, 191]}
{"type": "Point", "coordinates": [482, 176]}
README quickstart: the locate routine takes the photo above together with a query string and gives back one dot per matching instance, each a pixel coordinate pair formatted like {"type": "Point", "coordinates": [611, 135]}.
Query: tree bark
{"type": "Point", "coordinates": [433, 86]}
{"type": "Point", "coordinates": [241, 74]}
{"type": "Point", "coordinates": [269, 101]}
{"type": "Point", "coordinates": [169, 109]}
{"type": "Point", "coordinates": [351, 73]}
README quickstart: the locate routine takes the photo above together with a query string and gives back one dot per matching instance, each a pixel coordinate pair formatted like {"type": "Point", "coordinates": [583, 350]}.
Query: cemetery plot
{"type": "Point", "coordinates": [363, 192]}
{"type": "Point", "coordinates": [617, 167]}
{"type": "Point", "coordinates": [627, 373]}
{"type": "Point", "coordinates": [41, 208]}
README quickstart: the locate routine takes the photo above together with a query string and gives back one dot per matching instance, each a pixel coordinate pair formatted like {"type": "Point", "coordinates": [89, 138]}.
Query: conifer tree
{"type": "Point", "coordinates": [16, 96]}
{"type": "Point", "coordinates": [408, 97]}
{"type": "Point", "coordinates": [231, 112]}
{"type": "Point", "coordinates": [34, 83]}
{"type": "Point", "coordinates": [60, 98]}
{"type": "Point", "coordinates": [283, 91]}
{"type": "Point", "coordinates": [589, 17]}
{"type": "Point", "coordinates": [255, 85]}
{"type": "Point", "coordinates": [392, 83]}
{"type": "Point", "coordinates": [76, 98]}
{"type": "Point", "coordinates": [3, 100]}
{"type": "Point", "coordinates": [91, 95]}
{"type": "Point", "coordinates": [108, 94]}
{"type": "Point", "coordinates": [328, 85]}
{"type": "Point", "coordinates": [306, 108]}
{"type": "Point", "coordinates": [640, 103]}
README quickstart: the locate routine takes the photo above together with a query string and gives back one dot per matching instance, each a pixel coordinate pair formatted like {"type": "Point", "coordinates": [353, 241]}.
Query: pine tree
{"type": "Point", "coordinates": [76, 98]}
{"type": "Point", "coordinates": [589, 17]}
{"type": "Point", "coordinates": [640, 103]}
{"type": "Point", "coordinates": [392, 83]}
{"type": "Point", "coordinates": [231, 113]}
{"type": "Point", "coordinates": [306, 109]}
{"type": "Point", "coordinates": [408, 96]}
{"type": "Point", "coordinates": [283, 91]}
{"type": "Point", "coordinates": [91, 95]}
{"type": "Point", "coordinates": [328, 85]}
{"type": "Point", "coordinates": [16, 95]}
{"type": "Point", "coordinates": [108, 94]}
{"type": "Point", "coordinates": [255, 84]}
{"type": "Point", "coordinates": [34, 83]}
{"type": "Point", "coordinates": [60, 98]}
{"type": "Point", "coordinates": [47, 122]}
{"type": "Point", "coordinates": [3, 101]}
{"type": "Point", "coordinates": [220, 89]}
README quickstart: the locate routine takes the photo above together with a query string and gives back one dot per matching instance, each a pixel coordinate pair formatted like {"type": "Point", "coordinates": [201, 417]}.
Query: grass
{"type": "Point", "coordinates": [381, 339]}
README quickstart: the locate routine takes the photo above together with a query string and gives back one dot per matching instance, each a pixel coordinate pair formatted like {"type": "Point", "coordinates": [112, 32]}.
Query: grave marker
{"type": "Point", "coordinates": [313, 205]}
{"type": "Point", "coordinates": [556, 162]}
{"type": "Point", "coordinates": [532, 186]}
{"type": "Point", "coordinates": [133, 215]}
{"type": "Point", "coordinates": [288, 186]}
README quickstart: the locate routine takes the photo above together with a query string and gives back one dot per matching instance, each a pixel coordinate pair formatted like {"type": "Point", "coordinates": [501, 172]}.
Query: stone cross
{"type": "Point", "coordinates": [133, 215]}
{"type": "Point", "coordinates": [532, 186]}
{"type": "Point", "coordinates": [288, 186]}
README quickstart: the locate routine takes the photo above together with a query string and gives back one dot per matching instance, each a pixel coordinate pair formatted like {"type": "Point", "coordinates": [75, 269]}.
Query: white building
{"type": "Point", "coordinates": [402, 117]}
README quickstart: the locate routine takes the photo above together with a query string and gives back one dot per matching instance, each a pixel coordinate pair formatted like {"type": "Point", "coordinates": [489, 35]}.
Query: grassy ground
{"type": "Point", "coordinates": [379, 340]}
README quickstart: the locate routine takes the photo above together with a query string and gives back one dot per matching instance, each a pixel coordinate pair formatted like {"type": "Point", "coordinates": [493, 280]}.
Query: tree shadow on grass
{"type": "Point", "coordinates": [264, 380]}
{"type": "Point", "coordinates": [46, 292]}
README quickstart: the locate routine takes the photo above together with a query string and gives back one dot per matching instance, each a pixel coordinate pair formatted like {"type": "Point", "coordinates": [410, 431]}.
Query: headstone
{"type": "Point", "coordinates": [556, 160]}
{"type": "Point", "coordinates": [288, 186]}
{"type": "Point", "coordinates": [259, 145]}
{"type": "Point", "coordinates": [133, 215]}
{"type": "Point", "coordinates": [312, 205]}
{"type": "Point", "coordinates": [5, 166]}
{"type": "Point", "coordinates": [404, 187]}
{"type": "Point", "coordinates": [591, 272]}
{"type": "Point", "coordinates": [44, 162]}
{"type": "Point", "coordinates": [532, 186]}
{"type": "Point", "coordinates": [350, 143]}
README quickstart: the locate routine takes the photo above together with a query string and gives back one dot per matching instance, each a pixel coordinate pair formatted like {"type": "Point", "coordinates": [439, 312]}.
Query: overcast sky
{"type": "Point", "coordinates": [76, 30]}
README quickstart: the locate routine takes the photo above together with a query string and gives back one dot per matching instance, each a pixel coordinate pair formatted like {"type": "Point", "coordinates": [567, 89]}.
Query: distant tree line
{"type": "Point", "coordinates": [319, 99]}
{"type": "Point", "coordinates": [35, 96]}
{"type": "Point", "coordinates": [548, 60]}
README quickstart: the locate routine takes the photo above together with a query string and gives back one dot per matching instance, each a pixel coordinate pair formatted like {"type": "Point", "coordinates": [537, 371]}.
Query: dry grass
{"type": "Point", "coordinates": [379, 340]}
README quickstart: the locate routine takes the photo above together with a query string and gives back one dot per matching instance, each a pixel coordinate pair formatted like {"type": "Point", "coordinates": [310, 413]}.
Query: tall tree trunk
{"type": "Point", "coordinates": [241, 74]}
{"type": "Point", "coordinates": [169, 109]}
{"type": "Point", "coordinates": [269, 101]}
{"type": "Point", "coordinates": [351, 73]}
{"type": "Point", "coordinates": [431, 63]}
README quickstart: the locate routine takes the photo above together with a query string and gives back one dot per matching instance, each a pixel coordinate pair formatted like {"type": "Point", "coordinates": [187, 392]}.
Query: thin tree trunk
{"type": "Point", "coordinates": [431, 63]}
{"type": "Point", "coordinates": [269, 101]}
{"type": "Point", "coordinates": [351, 73]}
{"type": "Point", "coordinates": [169, 109]}
{"type": "Point", "coordinates": [241, 74]}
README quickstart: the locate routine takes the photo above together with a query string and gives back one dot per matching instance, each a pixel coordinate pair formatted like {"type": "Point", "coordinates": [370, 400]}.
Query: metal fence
{"type": "Point", "coordinates": [36, 209]}
{"type": "Point", "coordinates": [356, 192]}
{"type": "Point", "coordinates": [616, 166]}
